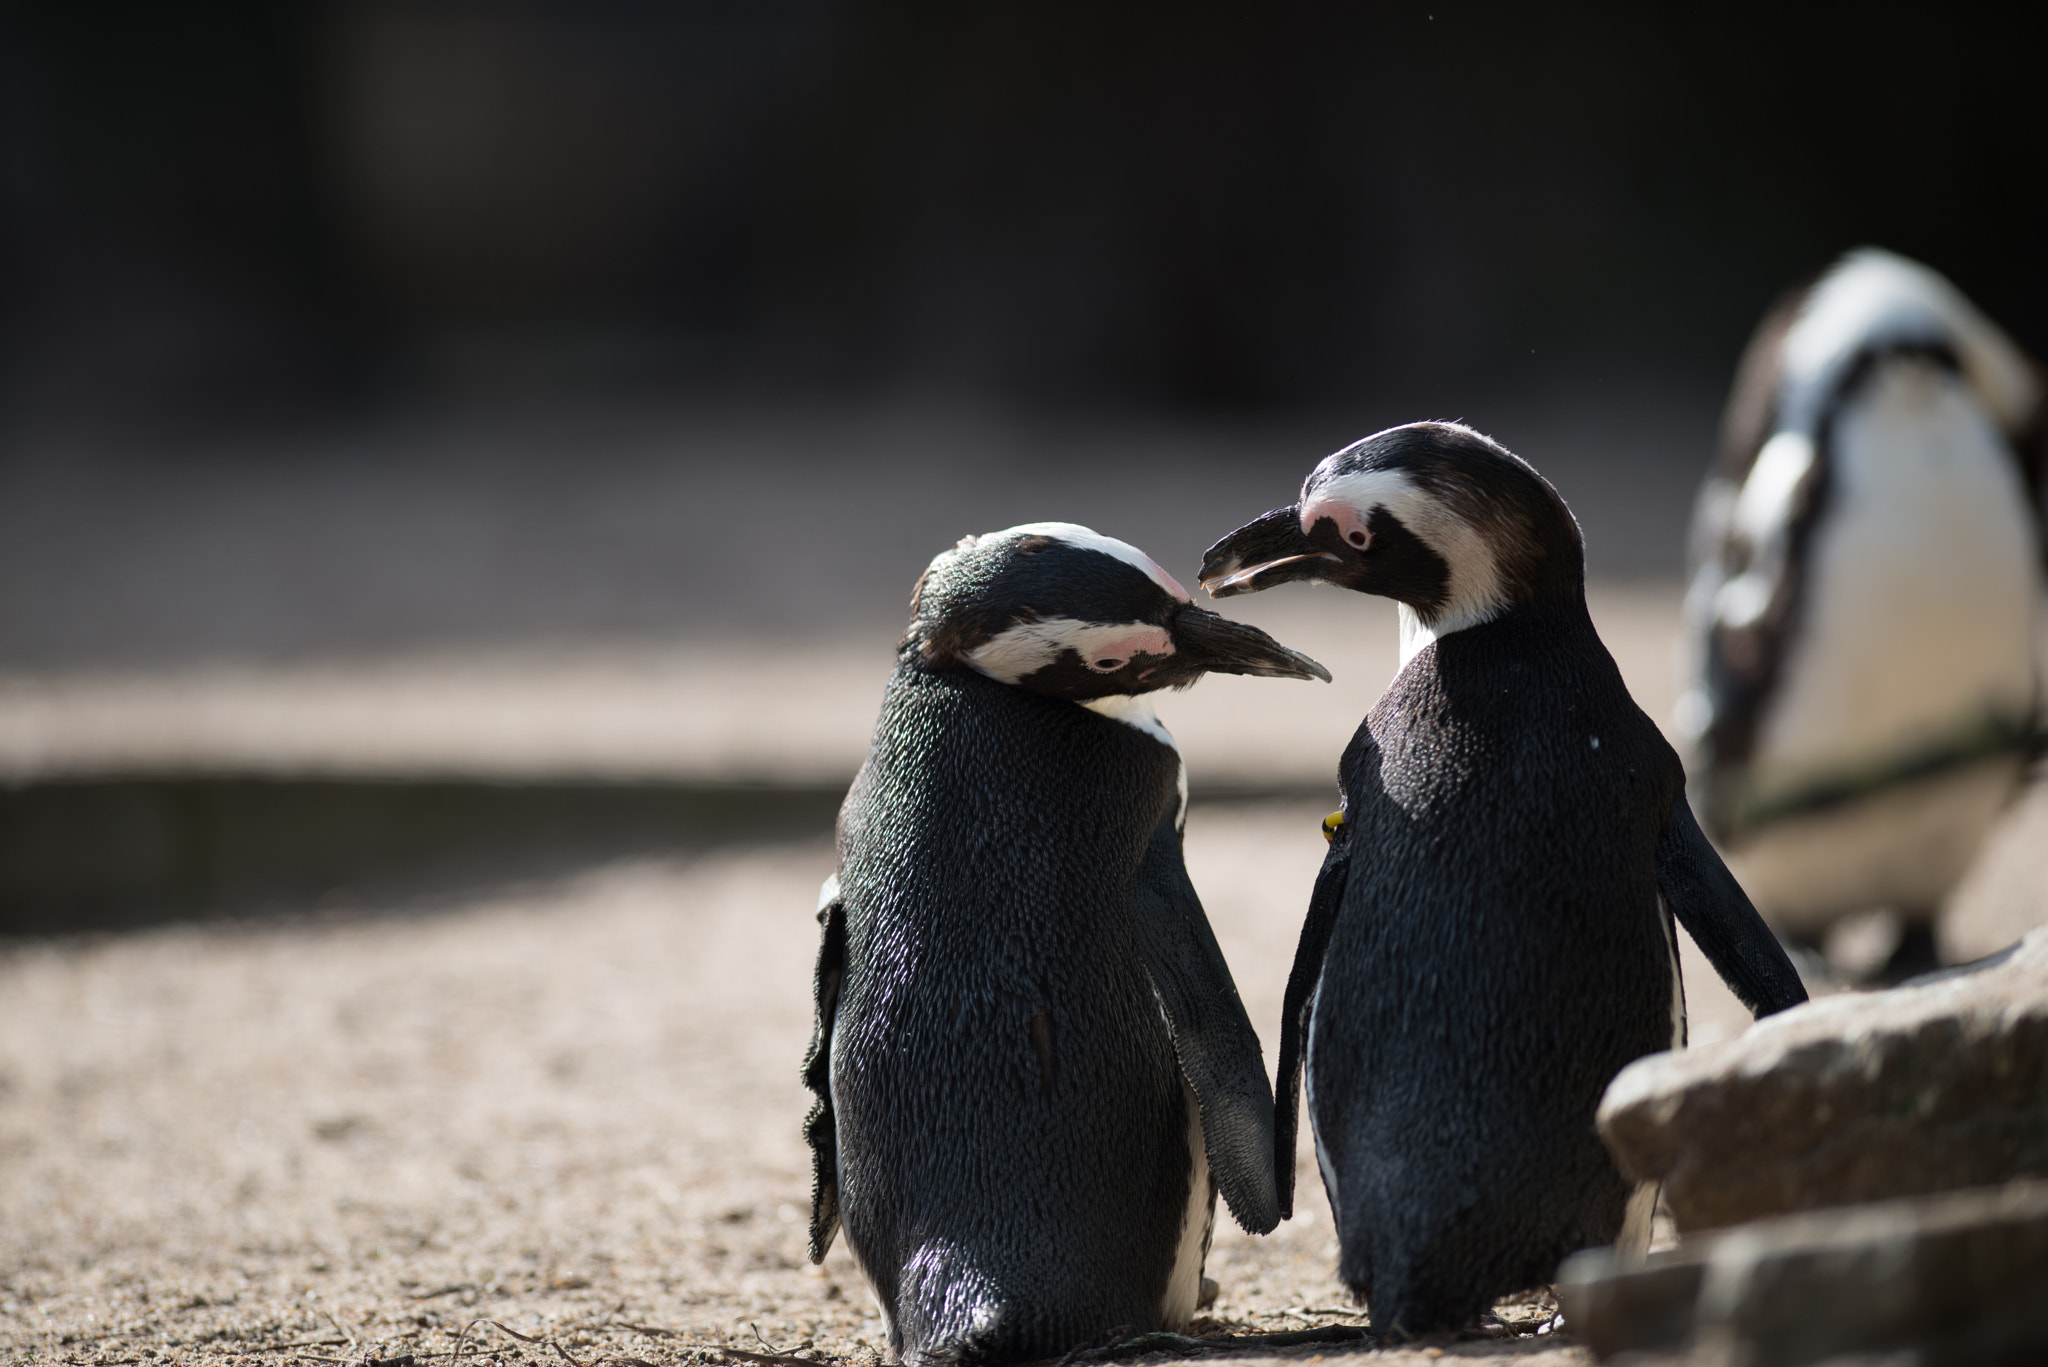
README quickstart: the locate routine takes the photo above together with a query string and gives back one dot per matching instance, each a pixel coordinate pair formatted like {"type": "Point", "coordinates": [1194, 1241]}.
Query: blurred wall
{"type": "Point", "coordinates": [235, 207]}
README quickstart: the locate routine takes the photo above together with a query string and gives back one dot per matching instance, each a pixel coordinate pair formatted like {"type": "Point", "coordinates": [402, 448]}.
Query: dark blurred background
{"type": "Point", "coordinates": [387, 322]}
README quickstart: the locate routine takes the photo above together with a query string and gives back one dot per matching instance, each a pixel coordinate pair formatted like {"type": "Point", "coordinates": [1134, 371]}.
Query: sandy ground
{"type": "Point", "coordinates": [569, 1109]}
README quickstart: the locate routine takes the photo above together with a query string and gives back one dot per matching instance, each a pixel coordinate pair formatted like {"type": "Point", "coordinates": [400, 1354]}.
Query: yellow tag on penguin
{"type": "Point", "coordinates": [1331, 823]}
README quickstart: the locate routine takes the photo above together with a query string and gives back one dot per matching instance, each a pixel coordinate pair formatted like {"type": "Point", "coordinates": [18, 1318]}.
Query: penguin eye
{"type": "Point", "coordinates": [1109, 664]}
{"type": "Point", "coordinates": [1358, 538]}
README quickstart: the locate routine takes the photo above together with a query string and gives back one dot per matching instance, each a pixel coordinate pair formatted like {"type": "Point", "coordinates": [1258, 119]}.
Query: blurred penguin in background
{"type": "Point", "coordinates": [1864, 602]}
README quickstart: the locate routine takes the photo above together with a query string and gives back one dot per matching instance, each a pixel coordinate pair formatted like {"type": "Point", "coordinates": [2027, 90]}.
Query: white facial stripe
{"type": "Point", "coordinates": [1028, 647]}
{"type": "Point", "coordinates": [1074, 534]}
{"type": "Point", "coordinates": [1351, 498]}
{"type": "Point", "coordinates": [1474, 593]}
{"type": "Point", "coordinates": [1876, 297]}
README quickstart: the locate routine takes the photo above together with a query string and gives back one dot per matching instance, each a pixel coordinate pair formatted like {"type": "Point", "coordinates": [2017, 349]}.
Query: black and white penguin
{"type": "Point", "coordinates": [1032, 1068]}
{"type": "Point", "coordinates": [1866, 591]}
{"type": "Point", "coordinates": [1490, 939]}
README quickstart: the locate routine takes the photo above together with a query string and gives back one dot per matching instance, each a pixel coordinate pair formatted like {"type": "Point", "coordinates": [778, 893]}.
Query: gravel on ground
{"type": "Point", "coordinates": [568, 1112]}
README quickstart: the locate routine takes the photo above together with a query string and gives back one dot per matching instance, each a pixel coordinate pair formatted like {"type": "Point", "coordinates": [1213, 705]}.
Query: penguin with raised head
{"type": "Point", "coordinates": [1865, 600]}
{"type": "Point", "coordinates": [1032, 1068]}
{"type": "Point", "coordinates": [1490, 939]}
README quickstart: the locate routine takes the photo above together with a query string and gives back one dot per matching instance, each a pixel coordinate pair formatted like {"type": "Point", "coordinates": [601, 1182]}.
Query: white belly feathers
{"type": "Point", "coordinates": [1184, 1286]}
{"type": "Point", "coordinates": [1919, 597]}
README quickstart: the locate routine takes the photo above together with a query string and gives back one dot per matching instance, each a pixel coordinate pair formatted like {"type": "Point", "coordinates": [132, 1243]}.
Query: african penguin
{"type": "Point", "coordinates": [1490, 938]}
{"type": "Point", "coordinates": [1865, 597]}
{"type": "Point", "coordinates": [1032, 1069]}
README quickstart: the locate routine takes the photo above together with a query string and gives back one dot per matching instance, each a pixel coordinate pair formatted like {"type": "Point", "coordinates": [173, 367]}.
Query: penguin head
{"type": "Point", "coordinates": [1449, 523]}
{"type": "Point", "coordinates": [1057, 609]}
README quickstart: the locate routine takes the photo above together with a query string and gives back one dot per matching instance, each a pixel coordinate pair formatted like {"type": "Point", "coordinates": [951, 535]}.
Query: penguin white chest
{"type": "Point", "coordinates": [1919, 602]}
{"type": "Point", "coordinates": [1184, 1285]}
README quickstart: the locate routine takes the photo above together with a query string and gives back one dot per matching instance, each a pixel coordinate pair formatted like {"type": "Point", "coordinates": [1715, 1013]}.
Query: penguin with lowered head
{"type": "Point", "coordinates": [1490, 939]}
{"type": "Point", "coordinates": [1032, 1069]}
{"type": "Point", "coordinates": [1863, 615]}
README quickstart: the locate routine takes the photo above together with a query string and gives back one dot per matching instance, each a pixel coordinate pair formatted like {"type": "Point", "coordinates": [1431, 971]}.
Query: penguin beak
{"type": "Point", "coordinates": [1267, 551]}
{"type": "Point", "coordinates": [1205, 643]}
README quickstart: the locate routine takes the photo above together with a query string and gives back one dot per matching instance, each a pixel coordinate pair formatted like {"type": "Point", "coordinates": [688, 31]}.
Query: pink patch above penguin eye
{"type": "Point", "coordinates": [1106, 649]}
{"type": "Point", "coordinates": [1350, 525]}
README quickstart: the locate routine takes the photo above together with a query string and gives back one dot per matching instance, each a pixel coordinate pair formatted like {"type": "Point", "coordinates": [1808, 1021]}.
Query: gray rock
{"type": "Point", "coordinates": [1957, 1278]}
{"type": "Point", "coordinates": [1617, 1304]}
{"type": "Point", "coordinates": [1938, 1084]}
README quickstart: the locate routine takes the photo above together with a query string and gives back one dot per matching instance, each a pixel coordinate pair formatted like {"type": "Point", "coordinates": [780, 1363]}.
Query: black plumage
{"type": "Point", "coordinates": [1030, 1056]}
{"type": "Point", "coordinates": [1489, 941]}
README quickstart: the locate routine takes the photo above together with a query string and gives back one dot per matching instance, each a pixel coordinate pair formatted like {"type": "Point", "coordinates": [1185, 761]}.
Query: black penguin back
{"type": "Point", "coordinates": [1024, 1165]}
{"type": "Point", "coordinates": [1499, 954]}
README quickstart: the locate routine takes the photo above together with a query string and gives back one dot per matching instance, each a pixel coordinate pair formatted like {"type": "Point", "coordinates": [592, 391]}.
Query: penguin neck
{"type": "Point", "coordinates": [1416, 633]}
{"type": "Point", "coordinates": [1476, 590]}
{"type": "Point", "coordinates": [1135, 710]}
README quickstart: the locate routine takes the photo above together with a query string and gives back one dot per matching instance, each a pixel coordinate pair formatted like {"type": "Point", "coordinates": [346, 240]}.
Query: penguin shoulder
{"type": "Point", "coordinates": [1532, 696]}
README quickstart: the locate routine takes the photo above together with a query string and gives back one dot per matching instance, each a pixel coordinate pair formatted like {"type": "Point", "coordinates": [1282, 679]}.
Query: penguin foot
{"type": "Point", "coordinates": [1915, 953]}
{"type": "Point", "coordinates": [1878, 948]}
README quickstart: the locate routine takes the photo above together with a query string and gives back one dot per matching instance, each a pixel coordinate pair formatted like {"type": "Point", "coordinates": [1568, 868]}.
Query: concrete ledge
{"type": "Point", "coordinates": [105, 852]}
{"type": "Point", "coordinates": [1949, 1278]}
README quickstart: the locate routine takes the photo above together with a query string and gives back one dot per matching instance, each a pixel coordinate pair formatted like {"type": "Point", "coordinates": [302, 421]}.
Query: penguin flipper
{"type": "Point", "coordinates": [1718, 914]}
{"type": "Point", "coordinates": [1212, 1036]}
{"type": "Point", "coordinates": [820, 1127]}
{"type": "Point", "coordinates": [1301, 992]}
